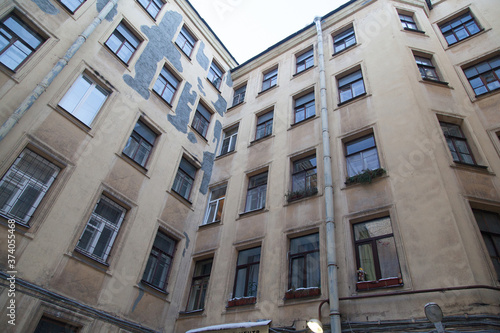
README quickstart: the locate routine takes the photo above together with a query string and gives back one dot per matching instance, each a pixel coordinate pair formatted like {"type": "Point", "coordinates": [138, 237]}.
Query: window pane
{"type": "Point", "coordinates": [304, 244]}
{"type": "Point", "coordinates": [372, 228]}
{"type": "Point", "coordinates": [360, 144]}
{"type": "Point", "coordinates": [366, 262]}
{"type": "Point", "coordinates": [249, 256]}
{"type": "Point", "coordinates": [388, 258]}
{"type": "Point", "coordinates": [22, 30]}
{"type": "Point", "coordinates": [239, 290]}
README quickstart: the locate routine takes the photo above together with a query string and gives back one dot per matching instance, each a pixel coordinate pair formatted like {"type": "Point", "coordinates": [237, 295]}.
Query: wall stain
{"type": "Point", "coordinates": [46, 6]}
{"type": "Point", "coordinates": [138, 299]}
{"type": "Point", "coordinates": [192, 137]}
{"type": "Point", "coordinates": [208, 160]}
{"type": "Point", "coordinates": [200, 87]}
{"type": "Point", "coordinates": [159, 46]}
{"type": "Point", "coordinates": [220, 106]}
{"type": "Point", "coordinates": [111, 15]}
{"type": "Point", "coordinates": [201, 57]}
{"type": "Point", "coordinates": [229, 79]}
{"type": "Point", "coordinates": [187, 243]}
{"type": "Point", "coordinates": [181, 118]}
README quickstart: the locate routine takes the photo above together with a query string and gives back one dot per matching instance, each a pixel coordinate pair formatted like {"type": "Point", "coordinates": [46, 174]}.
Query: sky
{"type": "Point", "coordinates": [248, 27]}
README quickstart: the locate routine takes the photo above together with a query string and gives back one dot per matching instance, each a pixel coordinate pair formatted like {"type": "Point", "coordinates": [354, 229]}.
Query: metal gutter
{"type": "Point", "coordinates": [333, 293]}
{"type": "Point", "coordinates": [54, 72]}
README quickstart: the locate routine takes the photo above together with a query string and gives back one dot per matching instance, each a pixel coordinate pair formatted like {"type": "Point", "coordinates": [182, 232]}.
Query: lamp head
{"type": "Point", "coordinates": [315, 326]}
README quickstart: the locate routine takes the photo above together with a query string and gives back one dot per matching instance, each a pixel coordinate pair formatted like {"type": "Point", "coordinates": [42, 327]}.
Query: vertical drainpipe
{"type": "Point", "coordinates": [327, 165]}
{"type": "Point", "coordinates": [47, 80]}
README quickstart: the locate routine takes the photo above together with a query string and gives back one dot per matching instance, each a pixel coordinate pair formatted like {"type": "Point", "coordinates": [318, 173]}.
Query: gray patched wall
{"type": "Point", "coordinates": [201, 57]}
{"type": "Point", "coordinates": [207, 164]}
{"type": "Point", "coordinates": [220, 105]}
{"type": "Point", "coordinates": [160, 45]}
{"type": "Point", "coordinates": [181, 118]}
{"type": "Point", "coordinates": [46, 6]}
{"type": "Point", "coordinates": [200, 87]}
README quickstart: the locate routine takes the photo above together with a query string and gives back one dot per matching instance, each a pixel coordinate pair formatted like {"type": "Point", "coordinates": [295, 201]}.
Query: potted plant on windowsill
{"type": "Point", "coordinates": [302, 292]}
{"type": "Point", "coordinates": [365, 177]}
{"type": "Point", "coordinates": [238, 301]}
{"type": "Point", "coordinates": [296, 195]}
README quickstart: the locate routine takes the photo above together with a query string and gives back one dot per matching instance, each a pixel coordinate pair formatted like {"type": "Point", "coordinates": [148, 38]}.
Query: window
{"type": "Point", "coordinates": [304, 107]}
{"type": "Point", "coordinates": [215, 205]}
{"type": "Point", "coordinates": [305, 61]}
{"type": "Point", "coordinates": [304, 262]}
{"type": "Point", "coordinates": [199, 285]}
{"type": "Point", "coordinates": [140, 143]}
{"type": "Point", "coordinates": [25, 184]}
{"type": "Point", "coordinates": [457, 142]}
{"type": "Point", "coordinates": [426, 68]}
{"type": "Point", "coordinates": [270, 79]}
{"type": "Point", "coordinates": [72, 5]}
{"type": "Point", "coordinates": [101, 230]}
{"type": "Point", "coordinates": [361, 155]}
{"type": "Point", "coordinates": [215, 74]}
{"type": "Point", "coordinates": [376, 250]}
{"type": "Point", "coordinates": [489, 225]}
{"type": "Point", "coordinates": [264, 125]}
{"type": "Point", "coordinates": [485, 76]}
{"type": "Point", "coordinates": [153, 7]}
{"type": "Point", "coordinates": [185, 41]}
{"type": "Point", "coordinates": [351, 86]}
{"type": "Point", "coordinates": [184, 179]}
{"type": "Point", "coordinates": [304, 175]}
{"type": "Point", "coordinates": [159, 261]}
{"type": "Point", "coordinates": [84, 99]}
{"type": "Point", "coordinates": [49, 325]}
{"type": "Point", "coordinates": [166, 85]}
{"type": "Point", "coordinates": [344, 40]}
{"type": "Point", "coordinates": [201, 120]}
{"type": "Point", "coordinates": [229, 141]}
{"type": "Point", "coordinates": [256, 194]}
{"type": "Point", "coordinates": [247, 273]}
{"type": "Point", "coordinates": [459, 28]}
{"type": "Point", "coordinates": [123, 43]}
{"type": "Point", "coordinates": [408, 22]}
{"type": "Point", "coordinates": [239, 95]}
{"type": "Point", "coordinates": [17, 41]}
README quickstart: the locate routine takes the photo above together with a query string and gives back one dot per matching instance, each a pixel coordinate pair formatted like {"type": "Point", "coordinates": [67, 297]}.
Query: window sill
{"type": "Point", "coordinates": [235, 106]}
{"type": "Point", "coordinates": [134, 164]}
{"type": "Point", "coordinates": [414, 30]}
{"type": "Point", "coordinates": [241, 301]}
{"type": "Point", "coordinates": [125, 64]}
{"type": "Point", "coordinates": [482, 31]}
{"type": "Point", "coordinates": [226, 154]}
{"type": "Point", "coordinates": [486, 95]}
{"type": "Point", "coordinates": [21, 228]}
{"type": "Point", "coordinates": [264, 138]}
{"type": "Point", "coordinates": [85, 258]}
{"type": "Point", "coordinates": [73, 120]}
{"type": "Point", "coordinates": [210, 225]}
{"type": "Point", "coordinates": [304, 198]}
{"type": "Point", "coordinates": [303, 71]}
{"type": "Point", "coordinates": [252, 213]}
{"type": "Point", "coordinates": [303, 122]}
{"type": "Point", "coordinates": [268, 89]}
{"type": "Point", "coordinates": [336, 54]}
{"type": "Point", "coordinates": [154, 93]}
{"type": "Point", "coordinates": [156, 292]}
{"type": "Point", "coordinates": [435, 82]}
{"type": "Point", "coordinates": [470, 167]}
{"type": "Point", "coordinates": [184, 53]}
{"type": "Point", "coordinates": [302, 293]}
{"type": "Point", "coordinates": [191, 313]}
{"type": "Point", "coordinates": [379, 284]}
{"type": "Point", "coordinates": [199, 134]}
{"type": "Point", "coordinates": [374, 180]}
{"type": "Point", "coordinates": [349, 101]}
{"type": "Point", "coordinates": [179, 197]}
{"type": "Point", "coordinates": [213, 85]}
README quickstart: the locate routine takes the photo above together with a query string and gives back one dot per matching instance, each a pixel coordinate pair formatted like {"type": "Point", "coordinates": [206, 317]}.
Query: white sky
{"type": "Point", "coordinates": [248, 27]}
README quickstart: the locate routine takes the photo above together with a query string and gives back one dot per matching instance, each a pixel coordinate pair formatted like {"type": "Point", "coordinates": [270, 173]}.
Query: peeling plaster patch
{"type": "Point", "coordinates": [192, 137]}
{"type": "Point", "coordinates": [208, 160]}
{"type": "Point", "coordinates": [200, 87]}
{"type": "Point", "coordinates": [187, 243]}
{"type": "Point", "coordinates": [46, 7]}
{"type": "Point", "coordinates": [220, 105]}
{"type": "Point", "coordinates": [159, 46]}
{"type": "Point", "coordinates": [138, 299]}
{"type": "Point", "coordinates": [229, 79]}
{"type": "Point", "coordinates": [100, 5]}
{"type": "Point", "coordinates": [181, 118]}
{"type": "Point", "coordinates": [201, 57]}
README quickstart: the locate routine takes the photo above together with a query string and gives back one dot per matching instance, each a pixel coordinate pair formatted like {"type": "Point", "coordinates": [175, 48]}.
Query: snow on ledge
{"type": "Point", "coordinates": [230, 326]}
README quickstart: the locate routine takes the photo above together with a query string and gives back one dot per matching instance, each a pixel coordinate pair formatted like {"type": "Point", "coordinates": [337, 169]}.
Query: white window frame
{"type": "Point", "coordinates": [216, 203]}
{"type": "Point", "coordinates": [231, 139]}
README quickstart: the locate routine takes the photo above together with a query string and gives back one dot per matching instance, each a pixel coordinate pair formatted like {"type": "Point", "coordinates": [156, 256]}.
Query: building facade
{"type": "Point", "coordinates": [159, 186]}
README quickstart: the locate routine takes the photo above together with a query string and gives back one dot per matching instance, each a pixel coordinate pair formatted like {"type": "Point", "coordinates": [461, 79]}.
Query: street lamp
{"type": "Point", "coordinates": [435, 315]}
{"type": "Point", "coordinates": [315, 326]}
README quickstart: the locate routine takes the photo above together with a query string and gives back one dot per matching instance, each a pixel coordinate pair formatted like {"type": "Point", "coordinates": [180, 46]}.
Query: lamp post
{"type": "Point", "coordinates": [435, 315]}
{"type": "Point", "coordinates": [315, 326]}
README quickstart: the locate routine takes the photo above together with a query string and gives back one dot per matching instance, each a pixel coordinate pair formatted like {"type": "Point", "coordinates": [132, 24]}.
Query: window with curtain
{"type": "Point", "coordinates": [304, 262]}
{"type": "Point", "coordinates": [247, 273]}
{"type": "Point", "coordinates": [361, 155]}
